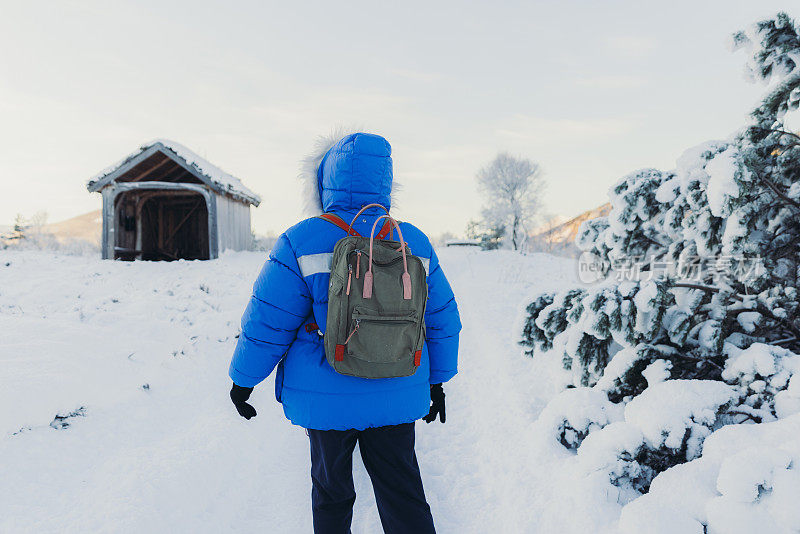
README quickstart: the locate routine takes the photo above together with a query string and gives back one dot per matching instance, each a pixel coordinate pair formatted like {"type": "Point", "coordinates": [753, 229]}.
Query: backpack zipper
{"type": "Point", "coordinates": [358, 253]}
{"type": "Point", "coordinates": [346, 341]}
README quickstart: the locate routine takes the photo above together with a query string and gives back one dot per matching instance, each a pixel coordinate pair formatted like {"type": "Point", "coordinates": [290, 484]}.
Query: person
{"type": "Point", "coordinates": [282, 327]}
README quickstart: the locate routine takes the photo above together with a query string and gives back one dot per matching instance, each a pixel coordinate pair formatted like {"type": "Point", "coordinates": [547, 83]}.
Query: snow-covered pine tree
{"type": "Point", "coordinates": [722, 230]}
{"type": "Point", "coordinates": [716, 243]}
{"type": "Point", "coordinates": [20, 227]}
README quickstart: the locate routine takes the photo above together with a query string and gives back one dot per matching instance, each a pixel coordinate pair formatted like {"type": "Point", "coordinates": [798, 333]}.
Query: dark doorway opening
{"type": "Point", "coordinates": [161, 225]}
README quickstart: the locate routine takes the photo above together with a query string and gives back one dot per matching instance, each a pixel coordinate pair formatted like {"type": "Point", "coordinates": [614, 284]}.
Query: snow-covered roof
{"type": "Point", "coordinates": [205, 171]}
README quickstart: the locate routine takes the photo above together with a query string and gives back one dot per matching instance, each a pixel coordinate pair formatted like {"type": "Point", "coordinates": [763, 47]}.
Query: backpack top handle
{"type": "Point", "coordinates": [367, 292]}
{"type": "Point", "coordinates": [362, 210]}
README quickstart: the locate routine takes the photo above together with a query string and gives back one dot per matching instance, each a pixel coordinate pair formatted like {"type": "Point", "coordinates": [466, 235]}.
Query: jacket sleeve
{"type": "Point", "coordinates": [280, 303]}
{"type": "Point", "coordinates": [442, 325]}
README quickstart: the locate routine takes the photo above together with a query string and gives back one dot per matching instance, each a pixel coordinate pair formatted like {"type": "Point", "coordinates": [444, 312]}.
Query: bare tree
{"type": "Point", "coordinates": [546, 239]}
{"type": "Point", "coordinates": [511, 188]}
{"type": "Point", "coordinates": [37, 222]}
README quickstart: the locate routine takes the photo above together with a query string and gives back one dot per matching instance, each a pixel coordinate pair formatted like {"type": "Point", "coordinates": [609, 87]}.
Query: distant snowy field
{"type": "Point", "coordinates": [115, 415]}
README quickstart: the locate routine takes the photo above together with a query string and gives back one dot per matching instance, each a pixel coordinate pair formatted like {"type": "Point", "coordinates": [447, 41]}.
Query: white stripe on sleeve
{"type": "Point", "coordinates": [315, 263]}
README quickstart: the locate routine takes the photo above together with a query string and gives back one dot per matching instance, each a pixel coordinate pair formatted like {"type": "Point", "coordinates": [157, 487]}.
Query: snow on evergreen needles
{"type": "Point", "coordinates": [696, 327]}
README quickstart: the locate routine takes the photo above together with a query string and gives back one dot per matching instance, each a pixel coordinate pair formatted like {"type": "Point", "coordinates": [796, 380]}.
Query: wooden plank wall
{"type": "Point", "coordinates": [233, 223]}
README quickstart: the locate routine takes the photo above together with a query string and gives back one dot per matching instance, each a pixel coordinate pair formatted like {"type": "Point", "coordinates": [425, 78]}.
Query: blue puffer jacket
{"type": "Point", "coordinates": [292, 291]}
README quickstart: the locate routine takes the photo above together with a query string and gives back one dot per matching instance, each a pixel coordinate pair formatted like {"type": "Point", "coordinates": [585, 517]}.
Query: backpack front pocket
{"type": "Point", "coordinates": [384, 338]}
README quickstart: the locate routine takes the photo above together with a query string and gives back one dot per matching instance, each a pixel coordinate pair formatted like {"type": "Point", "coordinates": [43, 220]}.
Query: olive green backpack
{"type": "Point", "coordinates": [376, 303]}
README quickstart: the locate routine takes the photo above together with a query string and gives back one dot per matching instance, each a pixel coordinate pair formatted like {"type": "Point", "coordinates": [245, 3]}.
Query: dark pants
{"type": "Point", "coordinates": [388, 454]}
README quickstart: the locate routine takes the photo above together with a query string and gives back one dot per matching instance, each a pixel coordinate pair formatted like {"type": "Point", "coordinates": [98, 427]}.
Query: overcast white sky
{"type": "Point", "coordinates": [591, 90]}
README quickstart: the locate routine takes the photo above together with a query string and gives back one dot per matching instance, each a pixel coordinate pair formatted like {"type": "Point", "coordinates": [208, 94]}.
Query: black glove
{"type": "Point", "coordinates": [437, 404]}
{"type": "Point", "coordinates": [239, 396]}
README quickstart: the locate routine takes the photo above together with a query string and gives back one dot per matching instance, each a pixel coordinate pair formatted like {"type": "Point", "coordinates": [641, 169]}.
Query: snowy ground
{"type": "Point", "coordinates": [140, 351]}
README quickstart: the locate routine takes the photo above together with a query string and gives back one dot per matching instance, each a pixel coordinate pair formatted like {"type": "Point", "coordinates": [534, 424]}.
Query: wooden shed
{"type": "Point", "coordinates": [164, 202]}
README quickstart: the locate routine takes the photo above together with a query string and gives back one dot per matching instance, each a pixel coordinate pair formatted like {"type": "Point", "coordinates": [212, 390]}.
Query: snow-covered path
{"type": "Point", "coordinates": [479, 475]}
{"type": "Point", "coordinates": [144, 349]}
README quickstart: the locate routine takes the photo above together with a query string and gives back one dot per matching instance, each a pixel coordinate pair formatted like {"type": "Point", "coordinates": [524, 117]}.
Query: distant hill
{"type": "Point", "coordinates": [86, 227]}
{"type": "Point", "coordinates": [560, 239]}
{"type": "Point", "coordinates": [551, 223]}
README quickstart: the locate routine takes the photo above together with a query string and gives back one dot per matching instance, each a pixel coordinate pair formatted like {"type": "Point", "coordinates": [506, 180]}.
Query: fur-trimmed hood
{"type": "Point", "coordinates": [346, 171]}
